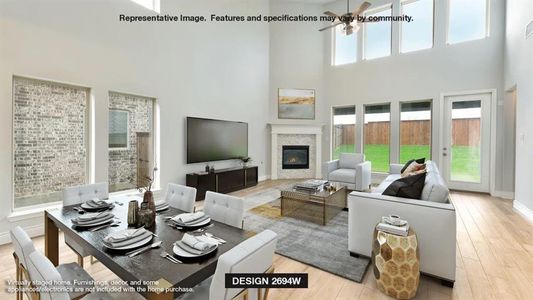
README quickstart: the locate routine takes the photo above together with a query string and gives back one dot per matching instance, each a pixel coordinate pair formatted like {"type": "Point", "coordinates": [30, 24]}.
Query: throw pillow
{"type": "Point", "coordinates": [420, 161]}
{"type": "Point", "coordinates": [413, 169]}
{"type": "Point", "coordinates": [407, 187]}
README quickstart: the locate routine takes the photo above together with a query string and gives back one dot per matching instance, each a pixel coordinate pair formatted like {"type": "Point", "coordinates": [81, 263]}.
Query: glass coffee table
{"type": "Point", "coordinates": [317, 207]}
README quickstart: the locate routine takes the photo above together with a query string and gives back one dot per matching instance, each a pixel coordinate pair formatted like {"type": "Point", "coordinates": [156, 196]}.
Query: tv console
{"type": "Point", "coordinates": [222, 181]}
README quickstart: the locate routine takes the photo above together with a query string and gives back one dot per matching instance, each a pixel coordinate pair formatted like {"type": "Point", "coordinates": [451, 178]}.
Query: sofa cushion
{"type": "Point", "coordinates": [407, 187]}
{"type": "Point", "coordinates": [385, 183]}
{"type": "Point", "coordinates": [435, 189]}
{"type": "Point", "coordinates": [342, 175]}
{"type": "Point", "coordinates": [350, 160]}
{"type": "Point", "coordinates": [420, 161]}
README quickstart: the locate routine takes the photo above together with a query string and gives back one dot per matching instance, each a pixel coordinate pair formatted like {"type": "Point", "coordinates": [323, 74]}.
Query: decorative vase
{"type": "Point", "coordinates": [133, 210]}
{"type": "Point", "coordinates": [148, 198]}
{"type": "Point", "coordinates": [145, 217]}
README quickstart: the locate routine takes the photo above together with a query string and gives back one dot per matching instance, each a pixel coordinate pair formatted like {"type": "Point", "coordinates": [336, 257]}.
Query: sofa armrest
{"type": "Point", "coordinates": [363, 175]}
{"type": "Point", "coordinates": [396, 168]}
{"type": "Point", "coordinates": [328, 167]}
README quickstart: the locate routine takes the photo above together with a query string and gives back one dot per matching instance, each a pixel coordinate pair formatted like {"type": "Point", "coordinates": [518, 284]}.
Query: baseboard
{"type": "Point", "coordinates": [263, 178]}
{"type": "Point", "coordinates": [523, 210]}
{"type": "Point", "coordinates": [503, 194]}
{"type": "Point", "coordinates": [33, 231]}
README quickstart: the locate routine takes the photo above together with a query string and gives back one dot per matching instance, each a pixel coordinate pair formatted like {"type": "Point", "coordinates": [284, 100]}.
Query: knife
{"type": "Point", "coordinates": [144, 249]}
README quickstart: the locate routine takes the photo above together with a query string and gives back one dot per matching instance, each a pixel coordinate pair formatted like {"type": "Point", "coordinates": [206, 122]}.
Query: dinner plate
{"type": "Point", "coordinates": [161, 208]}
{"type": "Point", "coordinates": [86, 207]}
{"type": "Point", "coordinates": [182, 253]}
{"type": "Point", "coordinates": [101, 222]}
{"type": "Point", "coordinates": [199, 224]}
{"type": "Point", "coordinates": [132, 246]}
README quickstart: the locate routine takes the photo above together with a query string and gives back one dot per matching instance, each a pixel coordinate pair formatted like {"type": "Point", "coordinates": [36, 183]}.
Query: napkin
{"type": "Point", "coordinates": [95, 203]}
{"type": "Point", "coordinates": [92, 218]}
{"type": "Point", "coordinates": [197, 242]}
{"type": "Point", "coordinates": [189, 217]}
{"type": "Point", "coordinates": [161, 203]}
{"type": "Point", "coordinates": [126, 237]}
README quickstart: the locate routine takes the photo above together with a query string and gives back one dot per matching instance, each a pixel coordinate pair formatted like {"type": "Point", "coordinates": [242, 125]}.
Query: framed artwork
{"type": "Point", "coordinates": [296, 104]}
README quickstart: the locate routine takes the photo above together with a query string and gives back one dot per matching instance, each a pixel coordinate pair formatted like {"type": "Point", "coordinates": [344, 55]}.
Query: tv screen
{"type": "Point", "coordinates": [210, 140]}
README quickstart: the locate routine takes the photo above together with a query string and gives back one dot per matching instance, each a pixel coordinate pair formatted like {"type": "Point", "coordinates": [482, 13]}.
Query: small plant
{"type": "Point", "coordinates": [149, 181]}
{"type": "Point", "coordinates": [246, 159]}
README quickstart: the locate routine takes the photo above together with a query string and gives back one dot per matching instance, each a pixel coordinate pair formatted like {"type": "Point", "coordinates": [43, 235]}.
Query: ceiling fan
{"type": "Point", "coordinates": [349, 19]}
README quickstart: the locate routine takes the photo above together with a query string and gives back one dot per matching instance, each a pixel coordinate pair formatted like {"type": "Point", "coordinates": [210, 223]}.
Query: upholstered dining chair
{"type": "Point", "coordinates": [77, 195]}
{"type": "Point", "coordinates": [181, 197]}
{"type": "Point", "coordinates": [42, 270]}
{"type": "Point", "coordinates": [24, 249]}
{"type": "Point", "coordinates": [254, 255]}
{"type": "Point", "coordinates": [225, 209]}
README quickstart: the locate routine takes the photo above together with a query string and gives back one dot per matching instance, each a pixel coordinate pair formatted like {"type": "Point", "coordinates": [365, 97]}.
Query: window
{"type": "Point", "coordinates": [118, 129]}
{"type": "Point", "coordinates": [50, 125]}
{"type": "Point", "coordinates": [345, 47]}
{"type": "Point", "coordinates": [150, 4]}
{"type": "Point", "coordinates": [377, 136]}
{"type": "Point", "coordinates": [467, 20]}
{"type": "Point", "coordinates": [378, 35]}
{"type": "Point", "coordinates": [131, 141]}
{"type": "Point", "coordinates": [343, 130]}
{"type": "Point", "coordinates": [418, 34]}
{"type": "Point", "coordinates": [415, 130]}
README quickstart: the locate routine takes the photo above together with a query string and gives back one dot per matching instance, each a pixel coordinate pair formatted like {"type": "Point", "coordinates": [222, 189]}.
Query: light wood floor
{"type": "Point", "coordinates": [494, 259]}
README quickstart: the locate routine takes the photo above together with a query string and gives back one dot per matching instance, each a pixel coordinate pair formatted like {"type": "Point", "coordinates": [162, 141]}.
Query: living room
{"type": "Point", "coordinates": [90, 97]}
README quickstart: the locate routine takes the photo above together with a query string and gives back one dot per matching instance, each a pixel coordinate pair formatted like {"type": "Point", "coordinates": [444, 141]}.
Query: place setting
{"type": "Point", "coordinates": [195, 246]}
{"type": "Point", "coordinates": [189, 221]}
{"type": "Point", "coordinates": [161, 206]}
{"type": "Point", "coordinates": [95, 221]}
{"type": "Point", "coordinates": [94, 205]}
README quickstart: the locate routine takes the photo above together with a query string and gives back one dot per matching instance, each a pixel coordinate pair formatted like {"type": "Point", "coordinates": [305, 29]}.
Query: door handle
{"type": "Point", "coordinates": [444, 154]}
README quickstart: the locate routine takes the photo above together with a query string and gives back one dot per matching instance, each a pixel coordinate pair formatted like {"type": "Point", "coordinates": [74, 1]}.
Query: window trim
{"type": "Point", "coordinates": [400, 126]}
{"type": "Point", "coordinates": [364, 31]}
{"type": "Point", "coordinates": [332, 134]}
{"type": "Point", "coordinates": [402, 2]}
{"type": "Point", "coordinates": [390, 131]}
{"type": "Point", "coordinates": [128, 137]}
{"type": "Point", "coordinates": [487, 24]}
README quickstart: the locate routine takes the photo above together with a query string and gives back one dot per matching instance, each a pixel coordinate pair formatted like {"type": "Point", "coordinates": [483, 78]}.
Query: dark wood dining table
{"type": "Point", "coordinates": [149, 266]}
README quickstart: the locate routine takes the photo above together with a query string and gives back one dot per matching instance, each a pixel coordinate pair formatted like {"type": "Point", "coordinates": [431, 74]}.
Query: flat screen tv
{"type": "Point", "coordinates": [210, 140]}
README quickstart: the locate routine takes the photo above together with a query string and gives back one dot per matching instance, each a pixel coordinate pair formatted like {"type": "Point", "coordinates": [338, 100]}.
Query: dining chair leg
{"type": "Point", "coordinates": [245, 295]}
{"type": "Point", "coordinates": [93, 260]}
{"type": "Point", "coordinates": [259, 295]}
{"type": "Point", "coordinates": [266, 294]}
{"type": "Point", "coordinates": [17, 276]}
{"type": "Point", "coordinates": [80, 260]}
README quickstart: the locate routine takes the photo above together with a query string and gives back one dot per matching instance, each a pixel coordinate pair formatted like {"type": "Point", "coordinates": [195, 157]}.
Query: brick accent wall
{"type": "Point", "coordinates": [122, 172]}
{"type": "Point", "coordinates": [49, 125]}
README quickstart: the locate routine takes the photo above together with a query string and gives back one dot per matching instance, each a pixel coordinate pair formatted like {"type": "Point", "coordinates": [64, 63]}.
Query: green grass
{"type": "Point", "coordinates": [465, 164]}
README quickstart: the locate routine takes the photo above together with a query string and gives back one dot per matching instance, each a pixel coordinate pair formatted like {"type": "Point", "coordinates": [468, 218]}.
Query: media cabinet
{"type": "Point", "coordinates": [223, 180]}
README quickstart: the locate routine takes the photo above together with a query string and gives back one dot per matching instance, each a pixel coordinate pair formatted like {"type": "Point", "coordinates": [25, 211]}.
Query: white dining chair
{"type": "Point", "coordinates": [77, 195]}
{"type": "Point", "coordinates": [43, 271]}
{"type": "Point", "coordinates": [181, 197]}
{"type": "Point", "coordinates": [254, 255]}
{"type": "Point", "coordinates": [26, 267]}
{"type": "Point", "coordinates": [224, 208]}
{"type": "Point", "coordinates": [23, 247]}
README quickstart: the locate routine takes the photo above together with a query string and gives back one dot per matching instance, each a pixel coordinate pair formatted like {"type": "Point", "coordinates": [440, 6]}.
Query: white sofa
{"type": "Point", "coordinates": [350, 169]}
{"type": "Point", "coordinates": [432, 217]}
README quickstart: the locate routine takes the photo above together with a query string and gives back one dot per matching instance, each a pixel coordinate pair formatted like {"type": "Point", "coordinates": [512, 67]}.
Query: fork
{"type": "Point", "coordinates": [203, 228]}
{"type": "Point", "coordinates": [165, 254]}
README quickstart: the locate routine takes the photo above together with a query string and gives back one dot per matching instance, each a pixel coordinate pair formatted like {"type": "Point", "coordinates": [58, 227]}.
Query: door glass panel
{"type": "Point", "coordinates": [343, 130]}
{"type": "Point", "coordinates": [466, 141]}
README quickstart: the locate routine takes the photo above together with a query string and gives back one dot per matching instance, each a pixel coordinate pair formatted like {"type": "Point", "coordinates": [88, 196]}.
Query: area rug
{"type": "Point", "coordinates": [324, 247]}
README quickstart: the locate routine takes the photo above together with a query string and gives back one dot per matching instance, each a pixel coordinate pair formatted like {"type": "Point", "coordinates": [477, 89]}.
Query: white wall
{"type": "Point", "coordinates": [215, 70]}
{"type": "Point", "coordinates": [519, 72]}
{"type": "Point", "coordinates": [425, 74]}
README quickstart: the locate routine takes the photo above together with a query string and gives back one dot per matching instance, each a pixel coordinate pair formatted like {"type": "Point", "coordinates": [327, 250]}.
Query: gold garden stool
{"type": "Point", "coordinates": [396, 263]}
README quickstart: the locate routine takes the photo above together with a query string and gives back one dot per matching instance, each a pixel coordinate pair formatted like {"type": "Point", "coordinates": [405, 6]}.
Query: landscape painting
{"type": "Point", "coordinates": [296, 104]}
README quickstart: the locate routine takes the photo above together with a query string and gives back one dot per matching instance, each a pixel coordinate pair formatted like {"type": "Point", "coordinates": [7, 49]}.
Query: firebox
{"type": "Point", "coordinates": [295, 157]}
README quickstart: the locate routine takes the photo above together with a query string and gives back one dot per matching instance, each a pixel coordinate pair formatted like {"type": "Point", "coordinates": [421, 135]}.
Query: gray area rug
{"type": "Point", "coordinates": [324, 247]}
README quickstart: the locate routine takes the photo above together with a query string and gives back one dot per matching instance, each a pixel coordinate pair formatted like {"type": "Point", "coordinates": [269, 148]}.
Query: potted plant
{"type": "Point", "coordinates": [245, 160]}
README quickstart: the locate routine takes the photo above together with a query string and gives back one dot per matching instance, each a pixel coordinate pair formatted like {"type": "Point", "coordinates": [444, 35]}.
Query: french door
{"type": "Point", "coordinates": [466, 145]}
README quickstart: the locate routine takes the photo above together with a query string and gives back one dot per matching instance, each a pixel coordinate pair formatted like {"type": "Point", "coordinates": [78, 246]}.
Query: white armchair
{"type": "Point", "coordinates": [350, 169]}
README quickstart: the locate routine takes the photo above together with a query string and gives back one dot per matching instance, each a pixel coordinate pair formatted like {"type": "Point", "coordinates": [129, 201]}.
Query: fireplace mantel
{"type": "Point", "coordinates": [314, 129]}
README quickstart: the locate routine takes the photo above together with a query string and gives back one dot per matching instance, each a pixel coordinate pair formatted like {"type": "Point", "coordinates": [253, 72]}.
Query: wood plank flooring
{"type": "Point", "coordinates": [494, 259]}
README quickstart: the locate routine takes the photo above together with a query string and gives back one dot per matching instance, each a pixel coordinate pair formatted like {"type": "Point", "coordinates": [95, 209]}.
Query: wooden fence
{"type": "Point", "coordinates": [466, 132]}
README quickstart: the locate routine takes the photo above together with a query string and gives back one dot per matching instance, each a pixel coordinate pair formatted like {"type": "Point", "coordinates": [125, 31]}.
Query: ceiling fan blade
{"type": "Point", "coordinates": [361, 8]}
{"type": "Point", "coordinates": [331, 14]}
{"type": "Point", "coordinates": [330, 26]}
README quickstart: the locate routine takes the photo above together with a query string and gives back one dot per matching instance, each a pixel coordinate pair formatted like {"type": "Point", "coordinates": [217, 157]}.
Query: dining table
{"type": "Point", "coordinates": [149, 274]}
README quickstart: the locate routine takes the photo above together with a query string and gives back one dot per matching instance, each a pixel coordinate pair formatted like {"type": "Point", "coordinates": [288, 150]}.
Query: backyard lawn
{"type": "Point", "coordinates": [465, 164]}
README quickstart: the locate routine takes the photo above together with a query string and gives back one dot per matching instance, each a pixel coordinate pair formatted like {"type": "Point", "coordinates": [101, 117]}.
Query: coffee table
{"type": "Point", "coordinates": [317, 207]}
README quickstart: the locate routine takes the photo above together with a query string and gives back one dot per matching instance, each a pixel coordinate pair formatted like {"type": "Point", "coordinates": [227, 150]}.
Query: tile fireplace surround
{"type": "Point", "coordinates": [301, 135]}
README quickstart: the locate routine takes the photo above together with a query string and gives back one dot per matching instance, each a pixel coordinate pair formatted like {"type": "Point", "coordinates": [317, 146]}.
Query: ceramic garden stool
{"type": "Point", "coordinates": [396, 264]}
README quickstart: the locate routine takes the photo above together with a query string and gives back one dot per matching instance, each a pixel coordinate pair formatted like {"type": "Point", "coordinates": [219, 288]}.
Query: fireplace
{"type": "Point", "coordinates": [295, 157]}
